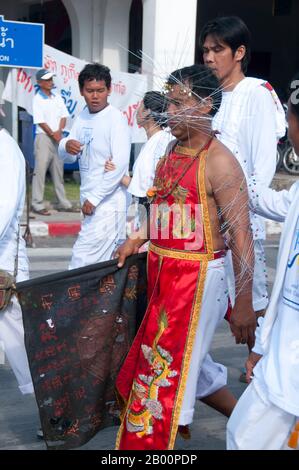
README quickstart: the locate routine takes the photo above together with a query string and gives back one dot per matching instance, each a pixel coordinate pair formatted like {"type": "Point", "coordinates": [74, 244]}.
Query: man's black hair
{"type": "Point", "coordinates": [156, 103]}
{"type": "Point", "coordinates": [294, 95]}
{"type": "Point", "coordinates": [202, 82]}
{"type": "Point", "coordinates": [232, 31]}
{"type": "Point", "coordinates": [96, 72]}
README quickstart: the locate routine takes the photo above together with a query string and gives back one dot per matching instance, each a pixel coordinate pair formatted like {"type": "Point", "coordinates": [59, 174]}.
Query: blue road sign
{"type": "Point", "coordinates": [21, 44]}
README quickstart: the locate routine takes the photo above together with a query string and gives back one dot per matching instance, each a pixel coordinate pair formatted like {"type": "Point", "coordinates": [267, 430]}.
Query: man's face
{"type": "Point", "coordinates": [186, 114]}
{"type": "Point", "coordinates": [46, 85]}
{"type": "Point", "coordinates": [95, 94]}
{"type": "Point", "coordinates": [219, 57]}
{"type": "Point", "coordinates": [293, 130]}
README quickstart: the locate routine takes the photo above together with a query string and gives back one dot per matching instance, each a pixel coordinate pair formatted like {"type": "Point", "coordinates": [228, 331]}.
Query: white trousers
{"type": "Point", "coordinates": [99, 236]}
{"type": "Point", "coordinates": [212, 377]}
{"type": "Point", "coordinates": [12, 336]}
{"type": "Point", "coordinates": [45, 151]}
{"type": "Point", "coordinates": [257, 424]}
{"type": "Point", "coordinates": [213, 308]}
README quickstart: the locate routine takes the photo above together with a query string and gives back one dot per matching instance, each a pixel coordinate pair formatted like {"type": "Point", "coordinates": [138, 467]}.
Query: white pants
{"type": "Point", "coordinates": [12, 336]}
{"type": "Point", "coordinates": [257, 424]}
{"type": "Point", "coordinates": [213, 308]}
{"type": "Point", "coordinates": [99, 236]}
{"type": "Point", "coordinates": [212, 377]}
{"type": "Point", "coordinates": [45, 151]}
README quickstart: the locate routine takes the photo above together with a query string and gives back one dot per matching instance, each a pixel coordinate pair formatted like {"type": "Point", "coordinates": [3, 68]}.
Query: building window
{"type": "Point", "coordinates": [135, 36]}
{"type": "Point", "coordinates": [53, 14]}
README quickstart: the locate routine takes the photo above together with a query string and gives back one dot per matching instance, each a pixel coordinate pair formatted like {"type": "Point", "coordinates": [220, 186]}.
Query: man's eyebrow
{"type": "Point", "coordinates": [215, 46]}
{"type": "Point", "coordinates": [95, 89]}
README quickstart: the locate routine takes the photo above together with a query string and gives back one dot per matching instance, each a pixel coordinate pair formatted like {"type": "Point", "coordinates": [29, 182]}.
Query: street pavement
{"type": "Point", "coordinates": [19, 416]}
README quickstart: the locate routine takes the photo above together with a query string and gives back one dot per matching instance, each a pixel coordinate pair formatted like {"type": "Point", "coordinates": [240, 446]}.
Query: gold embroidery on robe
{"type": "Point", "coordinates": [145, 406]}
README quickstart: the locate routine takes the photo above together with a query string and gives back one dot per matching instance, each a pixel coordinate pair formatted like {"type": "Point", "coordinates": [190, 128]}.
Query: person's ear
{"type": "Point", "coordinates": [240, 53]}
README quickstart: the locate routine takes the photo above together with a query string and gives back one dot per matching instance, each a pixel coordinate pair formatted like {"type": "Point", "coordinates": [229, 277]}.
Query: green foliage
{"type": "Point", "coordinates": [72, 190]}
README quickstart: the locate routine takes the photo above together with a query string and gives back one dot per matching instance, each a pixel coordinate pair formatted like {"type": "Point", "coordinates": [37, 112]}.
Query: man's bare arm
{"type": "Point", "coordinates": [62, 124]}
{"type": "Point", "coordinates": [46, 129]}
{"type": "Point", "coordinates": [132, 244]}
{"type": "Point", "coordinates": [229, 189]}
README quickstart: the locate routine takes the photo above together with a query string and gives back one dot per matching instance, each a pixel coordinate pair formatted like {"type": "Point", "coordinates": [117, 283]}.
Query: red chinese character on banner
{"type": "Point", "coordinates": [133, 273]}
{"type": "Point", "coordinates": [74, 292]}
{"type": "Point", "coordinates": [47, 301]}
{"type": "Point", "coordinates": [130, 293]}
{"type": "Point", "coordinates": [74, 429]}
{"type": "Point", "coordinates": [107, 285]}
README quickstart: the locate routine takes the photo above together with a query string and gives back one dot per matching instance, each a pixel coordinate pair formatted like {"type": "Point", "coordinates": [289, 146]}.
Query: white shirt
{"type": "Point", "coordinates": [278, 372]}
{"type": "Point", "coordinates": [277, 338]}
{"type": "Point", "coordinates": [290, 293]}
{"type": "Point", "coordinates": [49, 110]}
{"type": "Point", "coordinates": [103, 135]}
{"type": "Point", "coordinates": [247, 122]}
{"type": "Point", "coordinates": [145, 165]}
{"type": "Point", "coordinates": [12, 197]}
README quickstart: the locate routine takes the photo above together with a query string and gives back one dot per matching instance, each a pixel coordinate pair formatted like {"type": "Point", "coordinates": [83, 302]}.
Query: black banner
{"type": "Point", "coordinates": [79, 325]}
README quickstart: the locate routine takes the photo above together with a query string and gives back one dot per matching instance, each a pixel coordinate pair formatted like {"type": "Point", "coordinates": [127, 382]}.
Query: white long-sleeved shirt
{"type": "Point", "coordinates": [277, 338]}
{"type": "Point", "coordinates": [145, 165]}
{"type": "Point", "coordinates": [12, 197]}
{"type": "Point", "coordinates": [103, 135]}
{"type": "Point", "coordinates": [250, 122]}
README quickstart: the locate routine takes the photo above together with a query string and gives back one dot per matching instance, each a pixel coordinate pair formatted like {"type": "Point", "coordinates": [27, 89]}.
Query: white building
{"type": "Point", "coordinates": [104, 30]}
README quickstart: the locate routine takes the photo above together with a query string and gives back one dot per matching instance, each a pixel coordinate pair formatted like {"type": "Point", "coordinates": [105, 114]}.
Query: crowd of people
{"type": "Point", "coordinates": [200, 189]}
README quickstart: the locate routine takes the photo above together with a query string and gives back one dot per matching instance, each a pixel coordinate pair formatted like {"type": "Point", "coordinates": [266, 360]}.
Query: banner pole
{"type": "Point", "coordinates": [14, 113]}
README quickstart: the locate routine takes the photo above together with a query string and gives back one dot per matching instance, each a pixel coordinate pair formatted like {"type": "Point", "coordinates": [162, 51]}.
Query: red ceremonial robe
{"type": "Point", "coordinates": [152, 379]}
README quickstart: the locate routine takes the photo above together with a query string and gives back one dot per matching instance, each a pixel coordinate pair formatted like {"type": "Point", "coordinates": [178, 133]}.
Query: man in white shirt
{"type": "Point", "coordinates": [266, 416]}
{"type": "Point", "coordinates": [250, 120]}
{"type": "Point", "coordinates": [12, 197]}
{"type": "Point", "coordinates": [99, 133]}
{"type": "Point", "coordinates": [49, 115]}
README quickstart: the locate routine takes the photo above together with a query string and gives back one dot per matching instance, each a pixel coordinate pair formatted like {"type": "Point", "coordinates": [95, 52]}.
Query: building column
{"type": "Point", "coordinates": [168, 37]}
{"type": "Point", "coordinates": [87, 22]}
{"type": "Point", "coordinates": [98, 10]}
{"type": "Point", "coordinates": [116, 35]}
